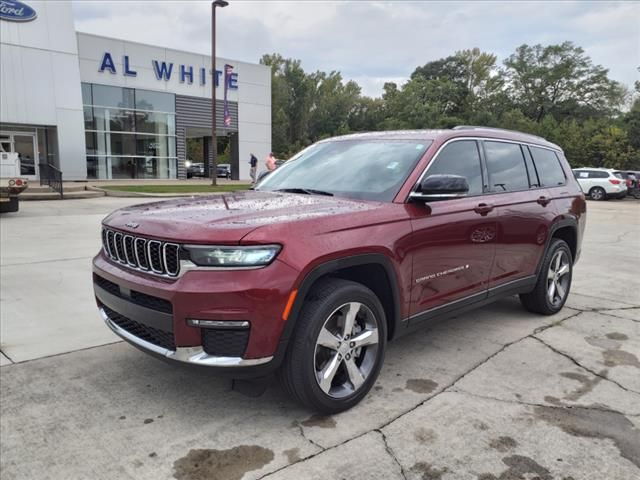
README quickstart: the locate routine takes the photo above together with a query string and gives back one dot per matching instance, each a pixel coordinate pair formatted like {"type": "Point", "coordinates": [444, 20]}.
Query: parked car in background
{"type": "Point", "coordinates": [11, 182]}
{"type": "Point", "coordinates": [194, 169]}
{"type": "Point", "coordinates": [634, 189]}
{"type": "Point", "coordinates": [356, 241]}
{"type": "Point", "coordinates": [223, 170]}
{"type": "Point", "coordinates": [601, 183]}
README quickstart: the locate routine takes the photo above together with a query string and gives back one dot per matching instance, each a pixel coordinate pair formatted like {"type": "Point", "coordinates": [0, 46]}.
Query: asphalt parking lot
{"type": "Point", "coordinates": [496, 394]}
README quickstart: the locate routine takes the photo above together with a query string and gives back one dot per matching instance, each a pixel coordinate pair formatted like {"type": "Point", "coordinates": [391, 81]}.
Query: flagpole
{"type": "Point", "coordinates": [214, 140]}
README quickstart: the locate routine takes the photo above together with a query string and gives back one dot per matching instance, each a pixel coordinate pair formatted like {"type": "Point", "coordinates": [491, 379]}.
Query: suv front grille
{"type": "Point", "coordinates": [152, 335]}
{"type": "Point", "coordinates": [151, 256]}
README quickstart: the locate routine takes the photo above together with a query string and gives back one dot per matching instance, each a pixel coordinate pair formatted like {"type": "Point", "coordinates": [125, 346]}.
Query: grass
{"type": "Point", "coordinates": [199, 188]}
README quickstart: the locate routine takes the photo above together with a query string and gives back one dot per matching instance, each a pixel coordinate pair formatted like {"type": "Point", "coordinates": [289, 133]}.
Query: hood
{"type": "Point", "coordinates": [225, 218]}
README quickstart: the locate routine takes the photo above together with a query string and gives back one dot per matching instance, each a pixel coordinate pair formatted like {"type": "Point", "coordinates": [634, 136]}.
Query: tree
{"type": "Point", "coordinates": [560, 80]}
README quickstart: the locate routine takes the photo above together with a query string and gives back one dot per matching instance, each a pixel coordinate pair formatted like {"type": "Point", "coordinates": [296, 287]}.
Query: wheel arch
{"type": "Point", "coordinates": [373, 270]}
{"type": "Point", "coordinates": [565, 229]}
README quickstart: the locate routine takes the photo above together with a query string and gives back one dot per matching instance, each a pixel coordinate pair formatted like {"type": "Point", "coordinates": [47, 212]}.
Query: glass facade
{"type": "Point", "coordinates": [130, 133]}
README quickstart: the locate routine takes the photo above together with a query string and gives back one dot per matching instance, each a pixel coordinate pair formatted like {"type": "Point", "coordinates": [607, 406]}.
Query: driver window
{"type": "Point", "coordinates": [460, 158]}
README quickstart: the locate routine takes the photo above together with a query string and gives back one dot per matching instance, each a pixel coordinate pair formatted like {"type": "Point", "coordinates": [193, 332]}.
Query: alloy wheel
{"type": "Point", "coordinates": [346, 349]}
{"type": "Point", "coordinates": [558, 278]}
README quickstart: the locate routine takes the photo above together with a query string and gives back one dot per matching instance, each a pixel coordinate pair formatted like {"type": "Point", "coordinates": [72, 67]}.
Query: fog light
{"type": "Point", "coordinates": [217, 323]}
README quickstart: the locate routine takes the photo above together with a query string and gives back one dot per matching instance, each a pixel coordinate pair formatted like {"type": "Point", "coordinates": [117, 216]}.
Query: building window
{"type": "Point", "coordinates": [129, 133]}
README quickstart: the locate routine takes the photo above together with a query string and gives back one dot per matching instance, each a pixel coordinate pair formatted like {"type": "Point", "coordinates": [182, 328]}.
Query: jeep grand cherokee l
{"type": "Point", "coordinates": [354, 242]}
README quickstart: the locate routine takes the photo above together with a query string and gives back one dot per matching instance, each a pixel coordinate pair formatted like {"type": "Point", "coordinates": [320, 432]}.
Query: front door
{"type": "Point", "coordinates": [26, 146]}
{"type": "Point", "coordinates": [453, 241]}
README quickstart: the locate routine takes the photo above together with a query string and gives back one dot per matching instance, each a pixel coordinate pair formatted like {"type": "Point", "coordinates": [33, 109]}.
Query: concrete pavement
{"type": "Point", "coordinates": [498, 393]}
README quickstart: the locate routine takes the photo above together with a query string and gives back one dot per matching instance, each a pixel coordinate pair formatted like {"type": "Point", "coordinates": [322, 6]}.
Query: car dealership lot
{"type": "Point", "coordinates": [483, 396]}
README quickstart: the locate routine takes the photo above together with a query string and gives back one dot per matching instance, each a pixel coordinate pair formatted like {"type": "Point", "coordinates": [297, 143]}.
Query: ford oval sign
{"type": "Point", "coordinates": [16, 11]}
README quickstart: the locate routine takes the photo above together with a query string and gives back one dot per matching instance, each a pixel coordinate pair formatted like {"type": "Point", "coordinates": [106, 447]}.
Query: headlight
{"type": "Point", "coordinates": [223, 256]}
{"type": "Point", "coordinates": [187, 164]}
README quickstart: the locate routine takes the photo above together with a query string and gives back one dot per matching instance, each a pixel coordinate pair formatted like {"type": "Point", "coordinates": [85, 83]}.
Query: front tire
{"type": "Point", "coordinates": [338, 346]}
{"type": "Point", "coordinates": [597, 194]}
{"type": "Point", "coordinates": [554, 281]}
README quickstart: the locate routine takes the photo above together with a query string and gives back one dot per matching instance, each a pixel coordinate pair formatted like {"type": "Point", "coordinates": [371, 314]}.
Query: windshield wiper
{"type": "Point", "coordinates": [308, 191]}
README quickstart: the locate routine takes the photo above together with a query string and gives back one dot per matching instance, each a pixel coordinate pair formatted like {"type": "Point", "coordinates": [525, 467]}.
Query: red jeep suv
{"type": "Point", "coordinates": [351, 243]}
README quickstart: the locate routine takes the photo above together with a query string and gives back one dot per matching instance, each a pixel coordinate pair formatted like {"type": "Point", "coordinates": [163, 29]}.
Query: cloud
{"type": "Point", "coordinates": [374, 42]}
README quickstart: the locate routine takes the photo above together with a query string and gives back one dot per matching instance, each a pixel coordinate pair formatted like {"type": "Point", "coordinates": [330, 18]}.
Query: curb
{"type": "Point", "coordinates": [121, 194]}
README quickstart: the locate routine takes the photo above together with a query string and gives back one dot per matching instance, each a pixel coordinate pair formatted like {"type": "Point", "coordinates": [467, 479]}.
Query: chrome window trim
{"type": "Point", "coordinates": [192, 355]}
{"type": "Point", "coordinates": [476, 139]}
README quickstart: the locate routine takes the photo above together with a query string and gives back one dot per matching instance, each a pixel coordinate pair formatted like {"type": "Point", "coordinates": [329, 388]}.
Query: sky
{"type": "Point", "coordinates": [373, 42]}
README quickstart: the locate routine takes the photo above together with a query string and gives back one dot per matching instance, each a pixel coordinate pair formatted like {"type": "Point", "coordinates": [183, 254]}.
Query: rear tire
{"type": "Point", "coordinates": [337, 349]}
{"type": "Point", "coordinates": [597, 194]}
{"type": "Point", "coordinates": [554, 281]}
{"type": "Point", "coordinates": [10, 206]}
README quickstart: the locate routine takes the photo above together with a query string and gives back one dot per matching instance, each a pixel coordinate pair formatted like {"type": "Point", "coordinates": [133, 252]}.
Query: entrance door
{"type": "Point", "coordinates": [26, 146]}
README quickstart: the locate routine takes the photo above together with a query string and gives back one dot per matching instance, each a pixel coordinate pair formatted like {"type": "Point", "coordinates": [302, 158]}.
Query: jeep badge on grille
{"type": "Point", "coordinates": [132, 225]}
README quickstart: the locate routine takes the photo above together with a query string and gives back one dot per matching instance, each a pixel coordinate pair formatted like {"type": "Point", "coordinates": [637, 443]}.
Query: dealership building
{"type": "Point", "coordinates": [103, 108]}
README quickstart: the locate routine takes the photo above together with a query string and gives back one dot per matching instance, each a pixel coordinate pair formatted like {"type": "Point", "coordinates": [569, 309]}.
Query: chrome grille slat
{"type": "Point", "coordinates": [170, 258]}
{"type": "Point", "coordinates": [112, 245]}
{"type": "Point", "coordinates": [154, 249]}
{"type": "Point", "coordinates": [139, 253]}
{"type": "Point", "coordinates": [141, 245]}
{"type": "Point", "coordinates": [129, 251]}
{"type": "Point", "coordinates": [119, 247]}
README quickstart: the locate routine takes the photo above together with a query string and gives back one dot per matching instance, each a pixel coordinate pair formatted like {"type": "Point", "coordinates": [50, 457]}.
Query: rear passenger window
{"type": "Point", "coordinates": [505, 163]}
{"type": "Point", "coordinates": [548, 167]}
{"type": "Point", "coordinates": [460, 158]}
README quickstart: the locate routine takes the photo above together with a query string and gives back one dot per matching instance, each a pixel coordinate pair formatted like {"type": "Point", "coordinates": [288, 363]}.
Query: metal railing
{"type": "Point", "coordinates": [51, 176]}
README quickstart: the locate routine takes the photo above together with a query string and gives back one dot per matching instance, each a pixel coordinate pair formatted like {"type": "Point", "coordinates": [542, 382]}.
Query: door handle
{"type": "Point", "coordinates": [544, 201]}
{"type": "Point", "coordinates": [483, 208]}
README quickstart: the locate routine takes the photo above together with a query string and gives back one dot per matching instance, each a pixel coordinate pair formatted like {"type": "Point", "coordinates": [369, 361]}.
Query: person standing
{"type": "Point", "coordinates": [253, 161]}
{"type": "Point", "coordinates": [270, 162]}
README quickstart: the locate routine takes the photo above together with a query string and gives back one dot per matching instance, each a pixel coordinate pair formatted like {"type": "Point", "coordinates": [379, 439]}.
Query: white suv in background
{"type": "Point", "coordinates": [601, 183]}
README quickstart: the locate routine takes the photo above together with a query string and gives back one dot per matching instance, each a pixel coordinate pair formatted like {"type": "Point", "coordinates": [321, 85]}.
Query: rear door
{"type": "Point", "coordinates": [525, 211]}
{"type": "Point", "coordinates": [453, 240]}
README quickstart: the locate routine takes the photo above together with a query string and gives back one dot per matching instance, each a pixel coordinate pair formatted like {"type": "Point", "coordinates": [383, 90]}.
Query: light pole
{"type": "Point", "coordinates": [214, 140]}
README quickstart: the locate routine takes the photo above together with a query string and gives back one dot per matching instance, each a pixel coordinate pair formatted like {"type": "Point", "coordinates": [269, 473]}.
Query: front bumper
{"type": "Point", "coordinates": [152, 313]}
{"type": "Point", "coordinates": [192, 355]}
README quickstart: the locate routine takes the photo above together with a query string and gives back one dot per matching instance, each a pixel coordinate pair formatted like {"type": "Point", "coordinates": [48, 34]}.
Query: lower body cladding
{"type": "Point", "coordinates": [229, 321]}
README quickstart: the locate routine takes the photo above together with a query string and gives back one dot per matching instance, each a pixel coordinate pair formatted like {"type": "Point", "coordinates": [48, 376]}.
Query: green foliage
{"type": "Point", "coordinates": [554, 91]}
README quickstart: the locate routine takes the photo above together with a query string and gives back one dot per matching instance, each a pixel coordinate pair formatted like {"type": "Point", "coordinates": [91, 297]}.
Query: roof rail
{"type": "Point", "coordinates": [477, 127]}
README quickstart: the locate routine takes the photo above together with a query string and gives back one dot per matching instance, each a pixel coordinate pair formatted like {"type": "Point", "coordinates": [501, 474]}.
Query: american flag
{"type": "Point", "coordinates": [228, 70]}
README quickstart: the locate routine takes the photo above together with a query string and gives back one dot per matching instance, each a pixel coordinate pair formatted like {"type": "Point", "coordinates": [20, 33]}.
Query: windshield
{"type": "Point", "coordinates": [360, 169]}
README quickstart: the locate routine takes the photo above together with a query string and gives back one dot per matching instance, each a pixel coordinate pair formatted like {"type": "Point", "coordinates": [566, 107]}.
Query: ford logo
{"type": "Point", "coordinates": [16, 11]}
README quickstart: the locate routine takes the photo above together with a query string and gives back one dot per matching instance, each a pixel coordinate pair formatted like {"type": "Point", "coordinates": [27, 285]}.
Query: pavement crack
{"type": "Point", "coordinates": [592, 372]}
{"type": "Point", "coordinates": [37, 262]}
{"type": "Point", "coordinates": [390, 452]}
{"type": "Point", "coordinates": [543, 405]}
{"type": "Point", "coordinates": [302, 434]}
{"type": "Point", "coordinates": [7, 356]}
{"type": "Point", "coordinates": [608, 314]}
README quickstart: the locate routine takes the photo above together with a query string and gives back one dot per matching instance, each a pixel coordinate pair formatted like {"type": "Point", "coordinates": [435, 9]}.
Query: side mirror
{"type": "Point", "coordinates": [441, 187]}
